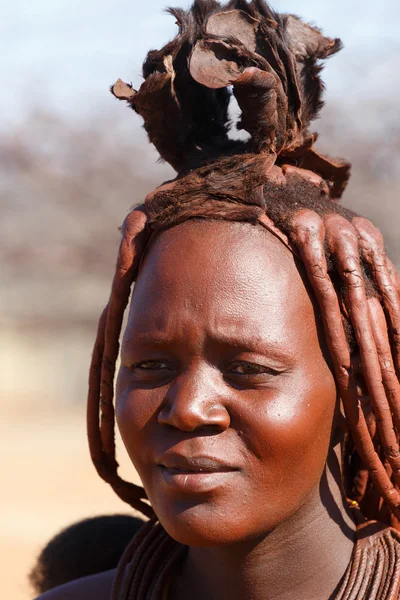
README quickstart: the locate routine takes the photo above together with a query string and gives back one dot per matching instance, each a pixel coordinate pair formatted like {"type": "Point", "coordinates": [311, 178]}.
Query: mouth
{"type": "Point", "coordinates": [195, 474]}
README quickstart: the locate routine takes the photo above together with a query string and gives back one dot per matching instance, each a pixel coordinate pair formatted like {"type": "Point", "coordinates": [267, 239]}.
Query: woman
{"type": "Point", "coordinates": [258, 394]}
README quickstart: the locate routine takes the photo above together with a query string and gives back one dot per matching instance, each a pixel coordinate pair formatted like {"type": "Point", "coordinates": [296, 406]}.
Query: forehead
{"type": "Point", "coordinates": [229, 275]}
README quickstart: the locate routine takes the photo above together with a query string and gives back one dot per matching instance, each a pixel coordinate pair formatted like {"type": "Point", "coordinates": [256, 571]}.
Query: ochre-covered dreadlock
{"type": "Point", "coordinates": [271, 62]}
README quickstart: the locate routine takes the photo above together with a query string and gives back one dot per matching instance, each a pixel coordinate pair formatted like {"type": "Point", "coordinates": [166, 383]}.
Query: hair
{"type": "Point", "coordinates": [90, 546]}
{"type": "Point", "coordinates": [271, 63]}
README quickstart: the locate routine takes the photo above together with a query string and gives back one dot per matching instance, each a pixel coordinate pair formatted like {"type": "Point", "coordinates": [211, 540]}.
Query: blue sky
{"type": "Point", "coordinates": [63, 54]}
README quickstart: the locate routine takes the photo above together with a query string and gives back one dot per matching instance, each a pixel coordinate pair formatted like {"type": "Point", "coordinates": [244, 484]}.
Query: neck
{"type": "Point", "coordinates": [304, 557]}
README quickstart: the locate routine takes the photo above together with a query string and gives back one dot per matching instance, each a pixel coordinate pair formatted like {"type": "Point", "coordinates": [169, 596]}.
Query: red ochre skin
{"type": "Point", "coordinates": [226, 406]}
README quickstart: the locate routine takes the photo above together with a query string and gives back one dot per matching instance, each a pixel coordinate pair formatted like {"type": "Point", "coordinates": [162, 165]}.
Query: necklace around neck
{"type": "Point", "coordinates": [145, 569]}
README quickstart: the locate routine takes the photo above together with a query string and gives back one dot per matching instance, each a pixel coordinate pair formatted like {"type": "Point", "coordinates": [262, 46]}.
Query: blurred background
{"type": "Point", "coordinates": [72, 162]}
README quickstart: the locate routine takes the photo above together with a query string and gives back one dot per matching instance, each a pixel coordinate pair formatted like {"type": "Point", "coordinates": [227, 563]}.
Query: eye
{"type": "Point", "coordinates": [247, 368]}
{"type": "Point", "coordinates": [248, 374]}
{"type": "Point", "coordinates": [152, 365]}
{"type": "Point", "coordinates": [151, 373]}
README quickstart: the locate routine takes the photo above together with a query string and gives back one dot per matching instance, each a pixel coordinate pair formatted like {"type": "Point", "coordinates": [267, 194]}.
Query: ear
{"type": "Point", "coordinates": [308, 41]}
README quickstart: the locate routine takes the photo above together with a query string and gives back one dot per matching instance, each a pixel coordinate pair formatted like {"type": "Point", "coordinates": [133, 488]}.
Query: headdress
{"type": "Point", "coordinates": [271, 63]}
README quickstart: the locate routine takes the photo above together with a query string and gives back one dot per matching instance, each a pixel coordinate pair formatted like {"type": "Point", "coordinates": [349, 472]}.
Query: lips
{"type": "Point", "coordinates": [194, 464]}
{"type": "Point", "coordinates": [195, 474]}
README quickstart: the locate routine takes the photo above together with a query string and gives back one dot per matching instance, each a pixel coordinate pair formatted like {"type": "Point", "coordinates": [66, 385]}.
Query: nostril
{"type": "Point", "coordinates": [191, 415]}
{"type": "Point", "coordinates": [190, 426]}
{"type": "Point", "coordinates": [206, 430]}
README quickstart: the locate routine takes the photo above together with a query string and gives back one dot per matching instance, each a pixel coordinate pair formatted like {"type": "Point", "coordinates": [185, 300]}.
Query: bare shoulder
{"type": "Point", "coordinates": [96, 587]}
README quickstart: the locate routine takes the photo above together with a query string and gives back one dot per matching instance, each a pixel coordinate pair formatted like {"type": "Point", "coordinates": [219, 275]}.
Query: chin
{"type": "Point", "coordinates": [207, 525]}
{"type": "Point", "coordinates": [191, 529]}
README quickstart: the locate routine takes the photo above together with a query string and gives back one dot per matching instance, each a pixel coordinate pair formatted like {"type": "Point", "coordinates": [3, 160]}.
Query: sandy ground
{"type": "Point", "coordinates": [48, 483]}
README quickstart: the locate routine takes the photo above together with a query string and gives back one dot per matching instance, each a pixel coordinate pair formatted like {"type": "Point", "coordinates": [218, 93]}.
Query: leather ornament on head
{"type": "Point", "coordinates": [272, 63]}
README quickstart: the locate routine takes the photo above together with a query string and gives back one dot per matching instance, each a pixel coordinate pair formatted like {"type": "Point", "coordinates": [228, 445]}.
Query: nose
{"type": "Point", "coordinates": [195, 401]}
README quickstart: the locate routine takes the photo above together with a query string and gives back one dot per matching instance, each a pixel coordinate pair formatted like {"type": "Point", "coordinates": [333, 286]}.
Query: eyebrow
{"type": "Point", "coordinates": [255, 343]}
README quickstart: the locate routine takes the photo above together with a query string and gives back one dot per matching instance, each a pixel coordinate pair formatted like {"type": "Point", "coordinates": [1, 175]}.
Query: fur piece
{"type": "Point", "coordinates": [271, 61]}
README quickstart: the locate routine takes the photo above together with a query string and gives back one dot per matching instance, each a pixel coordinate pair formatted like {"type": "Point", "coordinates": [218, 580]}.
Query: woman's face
{"type": "Point", "coordinates": [225, 402]}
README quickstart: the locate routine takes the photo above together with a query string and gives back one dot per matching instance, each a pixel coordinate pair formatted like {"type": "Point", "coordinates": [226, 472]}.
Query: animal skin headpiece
{"type": "Point", "coordinates": [272, 64]}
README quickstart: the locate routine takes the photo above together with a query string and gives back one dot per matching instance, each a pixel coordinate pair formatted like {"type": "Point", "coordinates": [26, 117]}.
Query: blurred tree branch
{"type": "Point", "coordinates": [65, 188]}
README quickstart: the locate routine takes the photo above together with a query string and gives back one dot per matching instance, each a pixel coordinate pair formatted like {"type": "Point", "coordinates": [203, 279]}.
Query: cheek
{"type": "Point", "coordinates": [290, 433]}
{"type": "Point", "coordinates": [136, 414]}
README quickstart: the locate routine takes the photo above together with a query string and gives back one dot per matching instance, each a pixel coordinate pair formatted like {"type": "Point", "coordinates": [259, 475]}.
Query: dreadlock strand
{"type": "Point", "coordinates": [390, 381]}
{"type": "Point", "coordinates": [93, 403]}
{"type": "Point", "coordinates": [309, 237]}
{"type": "Point", "coordinates": [176, 553]}
{"type": "Point", "coordinates": [144, 580]}
{"type": "Point", "coordinates": [151, 543]}
{"type": "Point", "coordinates": [373, 254]}
{"type": "Point", "coordinates": [128, 554]}
{"type": "Point", "coordinates": [105, 467]}
{"type": "Point", "coordinates": [343, 243]}
{"type": "Point", "coordinates": [129, 255]}
{"type": "Point", "coordinates": [101, 382]}
{"type": "Point", "coordinates": [393, 274]}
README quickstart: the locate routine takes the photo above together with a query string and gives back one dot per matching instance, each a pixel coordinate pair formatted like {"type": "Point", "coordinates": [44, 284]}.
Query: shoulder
{"type": "Point", "coordinates": [96, 587]}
